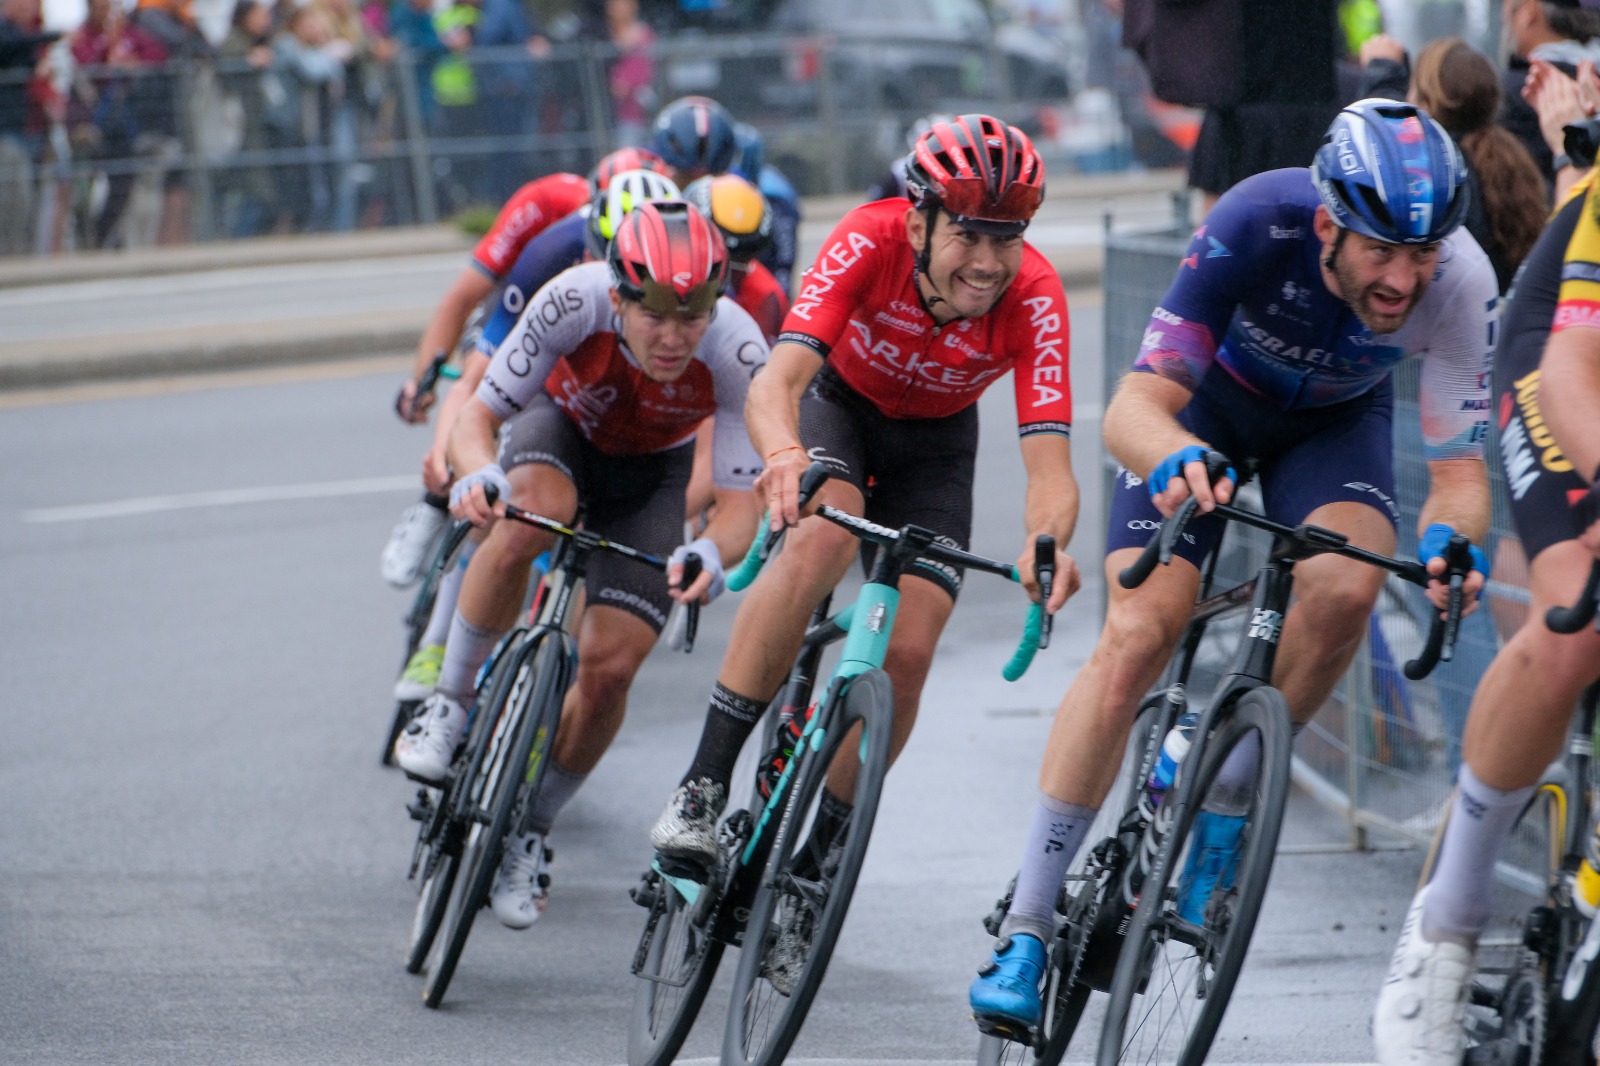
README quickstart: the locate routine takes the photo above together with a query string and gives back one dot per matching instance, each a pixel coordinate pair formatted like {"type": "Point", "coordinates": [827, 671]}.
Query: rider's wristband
{"type": "Point", "coordinates": [780, 451]}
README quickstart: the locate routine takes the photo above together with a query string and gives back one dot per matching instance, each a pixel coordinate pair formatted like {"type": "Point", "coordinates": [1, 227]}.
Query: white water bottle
{"type": "Point", "coordinates": [1176, 745]}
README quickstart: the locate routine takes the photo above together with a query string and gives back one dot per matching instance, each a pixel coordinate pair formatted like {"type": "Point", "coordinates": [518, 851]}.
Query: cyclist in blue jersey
{"type": "Point", "coordinates": [751, 164]}
{"type": "Point", "coordinates": [1274, 343]}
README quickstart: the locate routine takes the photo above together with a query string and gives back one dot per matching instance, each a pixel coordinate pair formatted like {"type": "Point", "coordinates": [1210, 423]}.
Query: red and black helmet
{"type": "Point", "coordinates": [669, 257]}
{"type": "Point", "coordinates": [984, 173]}
{"type": "Point", "coordinates": [624, 159]}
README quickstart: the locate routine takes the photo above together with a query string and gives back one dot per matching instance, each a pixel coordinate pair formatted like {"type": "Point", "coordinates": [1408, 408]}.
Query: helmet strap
{"type": "Point", "coordinates": [923, 258]}
{"type": "Point", "coordinates": [1333, 253]}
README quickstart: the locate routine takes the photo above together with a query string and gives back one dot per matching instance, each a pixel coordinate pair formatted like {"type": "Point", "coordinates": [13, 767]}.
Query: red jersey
{"type": "Point", "coordinates": [859, 308]}
{"type": "Point", "coordinates": [530, 209]}
{"type": "Point", "coordinates": [757, 291]}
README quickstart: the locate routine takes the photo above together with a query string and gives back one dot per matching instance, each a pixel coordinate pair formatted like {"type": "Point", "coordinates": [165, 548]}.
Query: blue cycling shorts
{"type": "Point", "coordinates": [1305, 459]}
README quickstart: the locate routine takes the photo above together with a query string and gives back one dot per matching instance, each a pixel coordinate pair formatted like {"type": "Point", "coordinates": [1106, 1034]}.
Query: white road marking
{"type": "Point", "coordinates": [137, 505]}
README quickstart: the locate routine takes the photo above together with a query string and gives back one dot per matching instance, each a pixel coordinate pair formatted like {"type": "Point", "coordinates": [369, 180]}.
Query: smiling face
{"type": "Point", "coordinates": [968, 271]}
{"type": "Point", "coordinates": [662, 343]}
{"type": "Point", "coordinates": [1381, 282]}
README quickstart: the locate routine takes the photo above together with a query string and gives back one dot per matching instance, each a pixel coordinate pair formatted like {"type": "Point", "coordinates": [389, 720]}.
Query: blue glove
{"type": "Point", "coordinates": [1437, 537]}
{"type": "Point", "coordinates": [1172, 467]}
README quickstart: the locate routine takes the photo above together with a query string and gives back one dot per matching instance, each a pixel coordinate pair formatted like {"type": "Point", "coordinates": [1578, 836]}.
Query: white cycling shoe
{"type": "Point", "coordinates": [427, 745]}
{"type": "Point", "coordinates": [1418, 1020]}
{"type": "Point", "coordinates": [521, 885]}
{"type": "Point", "coordinates": [411, 545]}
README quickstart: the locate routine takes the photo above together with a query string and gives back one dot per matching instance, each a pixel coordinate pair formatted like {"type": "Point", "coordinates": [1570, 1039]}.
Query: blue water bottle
{"type": "Point", "coordinates": [1173, 749]}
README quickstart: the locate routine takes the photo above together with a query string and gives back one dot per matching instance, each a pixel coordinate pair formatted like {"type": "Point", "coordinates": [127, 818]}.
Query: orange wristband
{"type": "Point", "coordinates": [780, 451]}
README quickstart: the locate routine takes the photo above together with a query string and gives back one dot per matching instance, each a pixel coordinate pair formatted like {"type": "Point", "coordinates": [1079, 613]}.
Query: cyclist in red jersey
{"type": "Point", "coordinates": [909, 313]}
{"type": "Point", "coordinates": [532, 208]}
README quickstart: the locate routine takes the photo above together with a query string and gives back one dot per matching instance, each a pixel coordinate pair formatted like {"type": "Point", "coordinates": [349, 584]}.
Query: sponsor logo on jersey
{"type": "Point", "coordinates": [1218, 249]}
{"type": "Point", "coordinates": [1161, 314]}
{"type": "Point", "coordinates": [904, 325]}
{"type": "Point", "coordinates": [540, 319]}
{"type": "Point", "coordinates": [585, 403]}
{"type": "Point", "coordinates": [1570, 314]}
{"type": "Point", "coordinates": [1050, 362]}
{"type": "Point", "coordinates": [1533, 425]}
{"type": "Point", "coordinates": [1274, 345]}
{"type": "Point", "coordinates": [909, 366]}
{"type": "Point", "coordinates": [1286, 233]}
{"type": "Point", "coordinates": [826, 271]}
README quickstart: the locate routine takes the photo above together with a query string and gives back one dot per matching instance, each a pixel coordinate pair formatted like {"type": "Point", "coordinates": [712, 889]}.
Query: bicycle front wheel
{"type": "Point", "coordinates": [1198, 903]}
{"type": "Point", "coordinates": [803, 898]}
{"type": "Point", "coordinates": [518, 755]}
{"type": "Point", "coordinates": [675, 973]}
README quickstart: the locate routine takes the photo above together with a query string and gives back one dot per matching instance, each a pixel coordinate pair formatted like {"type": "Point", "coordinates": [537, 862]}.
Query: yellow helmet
{"type": "Point", "coordinates": [739, 211]}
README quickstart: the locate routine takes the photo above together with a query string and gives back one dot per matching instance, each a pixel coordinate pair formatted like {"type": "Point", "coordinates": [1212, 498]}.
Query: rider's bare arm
{"type": "Point", "coordinates": [1142, 429]}
{"type": "Point", "coordinates": [1051, 507]}
{"type": "Point", "coordinates": [772, 415]}
{"type": "Point", "coordinates": [435, 465]}
{"type": "Point", "coordinates": [1569, 396]}
{"type": "Point", "coordinates": [471, 287]}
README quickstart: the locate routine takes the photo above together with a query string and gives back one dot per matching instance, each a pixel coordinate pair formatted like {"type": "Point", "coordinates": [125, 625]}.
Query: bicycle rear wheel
{"type": "Point", "coordinates": [802, 900]}
{"type": "Point", "coordinates": [1174, 977]}
{"type": "Point", "coordinates": [675, 974]}
{"type": "Point", "coordinates": [510, 772]}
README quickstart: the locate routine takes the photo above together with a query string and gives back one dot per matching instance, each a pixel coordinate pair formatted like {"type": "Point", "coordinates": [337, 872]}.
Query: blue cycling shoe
{"type": "Point", "coordinates": [1006, 990]}
{"type": "Point", "coordinates": [1213, 861]}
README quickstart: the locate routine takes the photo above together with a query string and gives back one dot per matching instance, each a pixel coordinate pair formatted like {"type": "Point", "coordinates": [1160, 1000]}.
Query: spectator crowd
{"type": "Point", "coordinates": [298, 114]}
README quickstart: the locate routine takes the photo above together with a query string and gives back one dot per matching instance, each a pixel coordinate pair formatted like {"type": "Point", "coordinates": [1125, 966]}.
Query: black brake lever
{"type": "Point", "coordinates": [691, 611]}
{"type": "Point", "coordinates": [1441, 643]}
{"type": "Point", "coordinates": [1044, 571]}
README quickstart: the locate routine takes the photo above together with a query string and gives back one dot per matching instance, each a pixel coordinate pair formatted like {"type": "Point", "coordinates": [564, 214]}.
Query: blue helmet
{"type": "Point", "coordinates": [752, 152]}
{"type": "Point", "coordinates": [694, 134]}
{"type": "Point", "coordinates": [1389, 171]}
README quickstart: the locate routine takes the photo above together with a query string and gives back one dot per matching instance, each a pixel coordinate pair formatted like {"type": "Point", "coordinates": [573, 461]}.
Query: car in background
{"type": "Point", "coordinates": [835, 84]}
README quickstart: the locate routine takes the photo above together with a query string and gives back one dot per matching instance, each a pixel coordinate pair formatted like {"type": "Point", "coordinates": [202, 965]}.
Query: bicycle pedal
{"type": "Point", "coordinates": [421, 806]}
{"type": "Point", "coordinates": [1005, 1029]}
{"type": "Point", "coordinates": [647, 891]}
{"type": "Point", "coordinates": [684, 868]}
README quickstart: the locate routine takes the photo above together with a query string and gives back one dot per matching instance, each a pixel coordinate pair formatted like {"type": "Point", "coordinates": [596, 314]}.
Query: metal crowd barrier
{"type": "Point", "coordinates": [1384, 750]}
{"type": "Point", "coordinates": [395, 143]}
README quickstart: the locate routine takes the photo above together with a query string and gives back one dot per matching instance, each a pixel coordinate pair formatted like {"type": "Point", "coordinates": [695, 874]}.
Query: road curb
{"type": "Point", "coordinates": [160, 356]}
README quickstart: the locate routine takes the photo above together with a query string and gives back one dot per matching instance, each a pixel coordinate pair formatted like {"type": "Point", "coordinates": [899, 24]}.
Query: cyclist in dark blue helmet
{"type": "Point", "coordinates": [751, 164]}
{"type": "Point", "coordinates": [1275, 342]}
{"type": "Point", "coordinates": [694, 134]}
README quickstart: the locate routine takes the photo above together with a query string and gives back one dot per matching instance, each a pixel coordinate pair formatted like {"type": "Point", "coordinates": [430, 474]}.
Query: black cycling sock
{"type": "Point", "coordinates": [729, 723]}
{"type": "Point", "coordinates": [832, 815]}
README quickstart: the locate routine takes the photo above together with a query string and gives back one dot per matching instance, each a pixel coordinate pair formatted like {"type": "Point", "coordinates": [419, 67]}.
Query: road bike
{"type": "Point", "coordinates": [1135, 919]}
{"type": "Point", "coordinates": [778, 892]}
{"type": "Point", "coordinates": [1536, 998]}
{"type": "Point", "coordinates": [497, 772]}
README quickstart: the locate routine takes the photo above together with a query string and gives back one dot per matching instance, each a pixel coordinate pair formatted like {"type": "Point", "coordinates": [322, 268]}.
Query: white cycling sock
{"type": "Point", "coordinates": [1054, 837]}
{"type": "Point", "coordinates": [1460, 895]}
{"type": "Point", "coordinates": [444, 604]}
{"type": "Point", "coordinates": [464, 652]}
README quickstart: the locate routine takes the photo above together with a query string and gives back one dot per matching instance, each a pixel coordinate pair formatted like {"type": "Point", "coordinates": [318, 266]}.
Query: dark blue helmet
{"type": "Point", "coordinates": [752, 152]}
{"type": "Point", "coordinates": [695, 136]}
{"type": "Point", "coordinates": [1389, 171]}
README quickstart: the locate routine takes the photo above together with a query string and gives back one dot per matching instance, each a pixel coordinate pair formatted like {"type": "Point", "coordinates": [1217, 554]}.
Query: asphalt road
{"type": "Point", "coordinates": [204, 863]}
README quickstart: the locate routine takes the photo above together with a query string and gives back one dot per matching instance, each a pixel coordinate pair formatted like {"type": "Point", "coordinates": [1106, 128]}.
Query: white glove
{"type": "Point", "coordinates": [488, 474]}
{"type": "Point", "coordinates": [710, 559]}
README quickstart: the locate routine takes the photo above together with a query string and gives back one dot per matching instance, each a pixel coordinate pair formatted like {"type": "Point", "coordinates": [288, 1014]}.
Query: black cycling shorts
{"type": "Point", "coordinates": [912, 471]}
{"type": "Point", "coordinates": [637, 500]}
{"type": "Point", "coordinates": [1538, 476]}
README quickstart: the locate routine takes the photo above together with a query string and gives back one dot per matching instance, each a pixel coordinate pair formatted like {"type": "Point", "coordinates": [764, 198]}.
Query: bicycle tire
{"type": "Point", "coordinates": [754, 1036]}
{"type": "Point", "coordinates": [536, 708]}
{"type": "Point", "coordinates": [1147, 1007]}
{"type": "Point", "coordinates": [660, 1021]}
{"type": "Point", "coordinates": [441, 835]}
{"type": "Point", "coordinates": [1064, 1002]}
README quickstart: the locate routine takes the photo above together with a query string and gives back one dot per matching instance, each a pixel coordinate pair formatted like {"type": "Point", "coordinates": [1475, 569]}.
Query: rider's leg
{"type": "Point", "coordinates": [1082, 755]}
{"type": "Point", "coordinates": [449, 592]}
{"type": "Point", "coordinates": [768, 631]}
{"type": "Point", "coordinates": [1321, 634]}
{"type": "Point", "coordinates": [612, 645]}
{"type": "Point", "coordinates": [1515, 729]}
{"type": "Point", "coordinates": [497, 578]}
